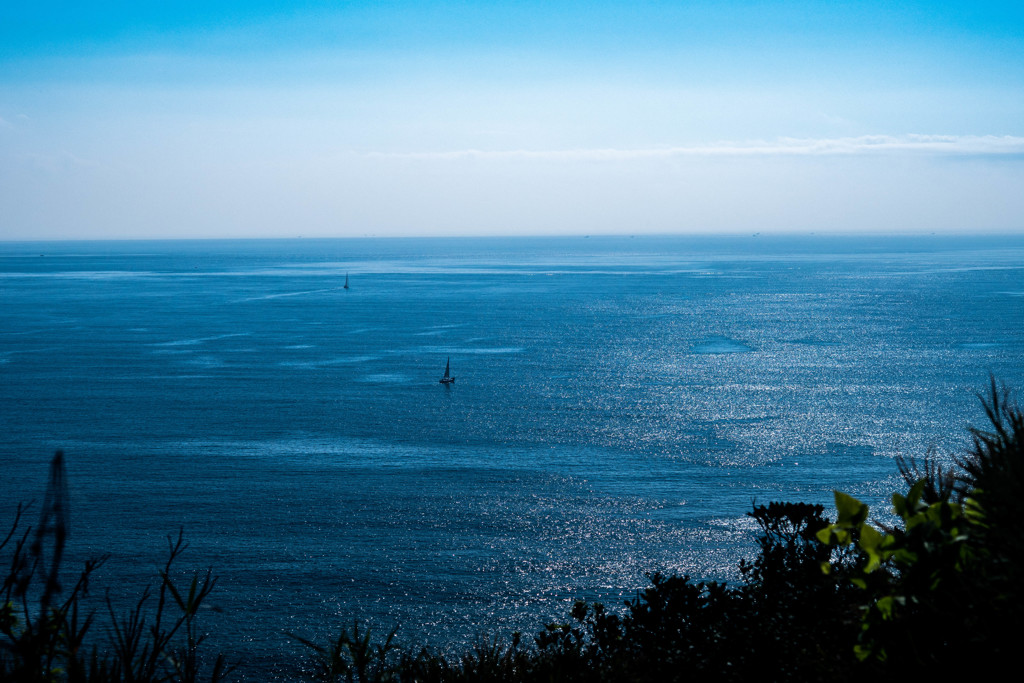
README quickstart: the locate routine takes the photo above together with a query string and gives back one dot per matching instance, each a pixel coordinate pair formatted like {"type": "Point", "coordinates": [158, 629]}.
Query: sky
{"type": "Point", "coordinates": [172, 119]}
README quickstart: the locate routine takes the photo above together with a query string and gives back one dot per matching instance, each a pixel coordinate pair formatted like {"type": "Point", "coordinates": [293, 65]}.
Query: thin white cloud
{"type": "Point", "coordinates": [952, 145]}
{"type": "Point", "coordinates": [57, 162]}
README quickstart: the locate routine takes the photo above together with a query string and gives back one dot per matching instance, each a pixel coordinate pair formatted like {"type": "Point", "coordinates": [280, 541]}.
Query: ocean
{"type": "Point", "coordinates": [619, 405]}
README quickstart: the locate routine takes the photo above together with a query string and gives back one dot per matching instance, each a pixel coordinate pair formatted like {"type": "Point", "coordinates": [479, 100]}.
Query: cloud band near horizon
{"type": "Point", "coordinates": [939, 145]}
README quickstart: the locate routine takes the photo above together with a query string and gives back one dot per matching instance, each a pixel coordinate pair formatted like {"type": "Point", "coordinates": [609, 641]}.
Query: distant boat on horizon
{"type": "Point", "coordinates": [346, 280]}
{"type": "Point", "coordinates": [448, 379]}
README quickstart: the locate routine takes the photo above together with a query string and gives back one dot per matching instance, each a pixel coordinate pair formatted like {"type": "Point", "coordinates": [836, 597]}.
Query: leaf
{"type": "Point", "coordinates": [174, 591]}
{"type": "Point", "coordinates": [851, 511]}
{"type": "Point", "coordinates": [902, 556]}
{"type": "Point", "coordinates": [871, 543]}
{"type": "Point", "coordinates": [915, 493]}
{"type": "Point", "coordinates": [899, 504]}
{"type": "Point", "coordinates": [885, 606]}
{"type": "Point", "coordinates": [973, 510]}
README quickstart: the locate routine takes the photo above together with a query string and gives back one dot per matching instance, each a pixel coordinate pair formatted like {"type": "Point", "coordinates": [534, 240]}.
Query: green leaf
{"type": "Point", "coordinates": [915, 493]}
{"type": "Point", "coordinates": [904, 556]}
{"type": "Point", "coordinates": [834, 535]}
{"type": "Point", "coordinates": [884, 607]}
{"type": "Point", "coordinates": [913, 520]}
{"type": "Point", "coordinates": [973, 510]}
{"type": "Point", "coordinates": [899, 504]}
{"type": "Point", "coordinates": [871, 542]}
{"type": "Point", "coordinates": [851, 511]}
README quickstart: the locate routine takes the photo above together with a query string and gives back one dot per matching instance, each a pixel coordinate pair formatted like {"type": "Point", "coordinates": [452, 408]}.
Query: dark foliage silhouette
{"type": "Point", "coordinates": [938, 594]}
{"type": "Point", "coordinates": [44, 636]}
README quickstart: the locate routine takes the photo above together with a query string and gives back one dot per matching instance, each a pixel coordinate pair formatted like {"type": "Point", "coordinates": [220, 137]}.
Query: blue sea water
{"type": "Point", "coordinates": [619, 403]}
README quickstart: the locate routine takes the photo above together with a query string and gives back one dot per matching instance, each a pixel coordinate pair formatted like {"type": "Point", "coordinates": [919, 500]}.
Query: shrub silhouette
{"type": "Point", "coordinates": [942, 591]}
{"type": "Point", "coordinates": [48, 642]}
{"type": "Point", "coordinates": [937, 595]}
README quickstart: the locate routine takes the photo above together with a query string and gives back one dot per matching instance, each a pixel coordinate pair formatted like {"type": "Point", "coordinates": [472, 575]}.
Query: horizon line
{"type": "Point", "coordinates": [569, 235]}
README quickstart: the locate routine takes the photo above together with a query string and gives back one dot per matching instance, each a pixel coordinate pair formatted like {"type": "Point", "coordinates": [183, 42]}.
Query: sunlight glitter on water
{"type": "Point", "coordinates": [619, 406]}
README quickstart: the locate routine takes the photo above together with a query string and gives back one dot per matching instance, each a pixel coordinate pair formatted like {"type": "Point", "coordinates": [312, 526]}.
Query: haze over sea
{"type": "Point", "coordinates": [618, 404]}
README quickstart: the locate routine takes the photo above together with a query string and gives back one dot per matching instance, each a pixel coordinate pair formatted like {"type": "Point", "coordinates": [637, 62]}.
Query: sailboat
{"type": "Point", "coordinates": [448, 379]}
{"type": "Point", "coordinates": [346, 280]}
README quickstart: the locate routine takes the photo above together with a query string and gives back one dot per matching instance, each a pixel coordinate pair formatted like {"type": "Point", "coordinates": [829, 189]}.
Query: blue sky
{"type": "Point", "coordinates": [203, 119]}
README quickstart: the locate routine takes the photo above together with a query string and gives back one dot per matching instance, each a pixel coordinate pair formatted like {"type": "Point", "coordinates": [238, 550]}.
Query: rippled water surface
{"type": "Point", "coordinates": [618, 404]}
